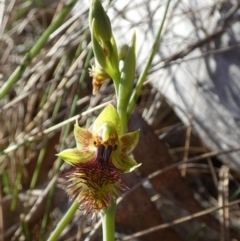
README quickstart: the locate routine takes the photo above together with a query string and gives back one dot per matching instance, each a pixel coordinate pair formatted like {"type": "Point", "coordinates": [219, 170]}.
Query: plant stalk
{"type": "Point", "coordinates": [64, 222]}
{"type": "Point", "coordinates": [108, 222]}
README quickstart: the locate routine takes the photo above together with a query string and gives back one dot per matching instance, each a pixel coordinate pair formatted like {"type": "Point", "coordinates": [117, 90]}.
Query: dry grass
{"type": "Point", "coordinates": [37, 116]}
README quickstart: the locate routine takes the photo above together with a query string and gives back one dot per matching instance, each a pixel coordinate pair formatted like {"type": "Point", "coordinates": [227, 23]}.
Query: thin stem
{"type": "Point", "coordinates": [16, 189]}
{"type": "Point", "coordinates": [144, 73]}
{"type": "Point", "coordinates": [64, 222]}
{"type": "Point", "coordinates": [108, 223]}
{"type": "Point", "coordinates": [123, 117]}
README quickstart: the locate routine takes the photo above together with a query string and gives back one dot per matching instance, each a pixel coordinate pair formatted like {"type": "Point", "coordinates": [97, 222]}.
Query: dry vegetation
{"type": "Point", "coordinates": [36, 119]}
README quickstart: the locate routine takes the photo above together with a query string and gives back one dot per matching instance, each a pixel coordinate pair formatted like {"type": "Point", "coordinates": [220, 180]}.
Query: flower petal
{"type": "Point", "coordinates": [75, 156]}
{"type": "Point", "coordinates": [124, 162]}
{"type": "Point", "coordinates": [129, 141]}
{"type": "Point", "coordinates": [84, 139]}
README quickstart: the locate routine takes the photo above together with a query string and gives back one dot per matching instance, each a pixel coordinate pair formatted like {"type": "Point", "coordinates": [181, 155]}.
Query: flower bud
{"type": "Point", "coordinates": [103, 42]}
{"type": "Point", "coordinates": [103, 27]}
{"type": "Point", "coordinates": [122, 51]}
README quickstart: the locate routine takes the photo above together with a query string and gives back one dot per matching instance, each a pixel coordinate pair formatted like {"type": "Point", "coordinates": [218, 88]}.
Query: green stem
{"type": "Point", "coordinates": [123, 117]}
{"type": "Point", "coordinates": [64, 222]}
{"type": "Point", "coordinates": [17, 184]}
{"type": "Point", "coordinates": [108, 223]}
{"type": "Point", "coordinates": [116, 81]}
{"type": "Point", "coordinates": [16, 75]}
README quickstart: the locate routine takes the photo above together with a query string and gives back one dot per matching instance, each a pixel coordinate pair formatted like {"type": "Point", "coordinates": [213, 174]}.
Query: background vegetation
{"type": "Point", "coordinates": [45, 51]}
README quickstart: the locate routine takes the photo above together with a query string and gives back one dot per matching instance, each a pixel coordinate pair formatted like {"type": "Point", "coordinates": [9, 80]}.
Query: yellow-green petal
{"type": "Point", "coordinates": [124, 162]}
{"type": "Point", "coordinates": [75, 156]}
{"type": "Point", "coordinates": [108, 115]}
{"type": "Point", "coordinates": [129, 141]}
{"type": "Point", "coordinates": [84, 139]}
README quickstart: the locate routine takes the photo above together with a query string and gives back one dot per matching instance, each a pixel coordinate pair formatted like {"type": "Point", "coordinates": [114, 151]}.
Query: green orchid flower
{"type": "Point", "coordinates": [102, 155]}
{"type": "Point", "coordinates": [104, 143]}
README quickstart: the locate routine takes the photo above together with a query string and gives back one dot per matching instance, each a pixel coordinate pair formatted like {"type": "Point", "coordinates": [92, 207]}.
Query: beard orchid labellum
{"type": "Point", "coordinates": [99, 160]}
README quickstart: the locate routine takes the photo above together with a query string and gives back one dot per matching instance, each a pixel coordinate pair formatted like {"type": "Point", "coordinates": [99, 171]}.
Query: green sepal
{"type": "Point", "coordinates": [120, 157]}
{"type": "Point", "coordinates": [129, 141]}
{"type": "Point", "coordinates": [124, 162]}
{"type": "Point", "coordinates": [108, 115]}
{"type": "Point", "coordinates": [75, 156]}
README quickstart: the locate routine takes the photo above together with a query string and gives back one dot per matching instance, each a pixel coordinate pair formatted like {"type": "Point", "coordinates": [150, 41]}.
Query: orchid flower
{"type": "Point", "coordinates": [101, 156]}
